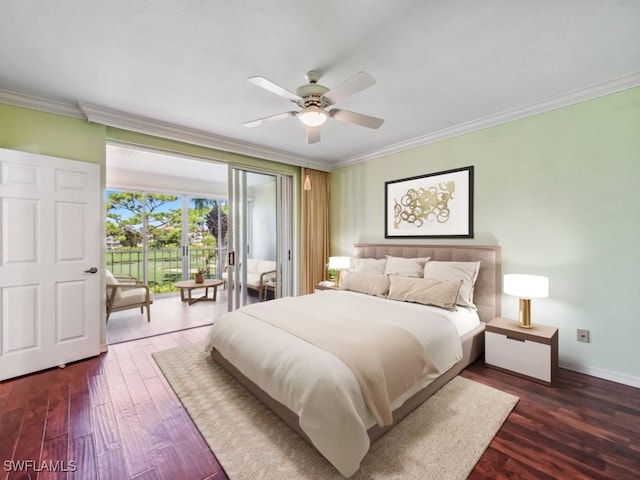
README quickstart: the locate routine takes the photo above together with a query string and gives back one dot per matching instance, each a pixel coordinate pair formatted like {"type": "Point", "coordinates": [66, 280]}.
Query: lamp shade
{"type": "Point", "coordinates": [339, 263]}
{"type": "Point", "coordinates": [313, 116]}
{"type": "Point", "coordinates": [526, 286]}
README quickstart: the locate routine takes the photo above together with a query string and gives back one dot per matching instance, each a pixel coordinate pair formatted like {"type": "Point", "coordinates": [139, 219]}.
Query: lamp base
{"type": "Point", "coordinates": [525, 313]}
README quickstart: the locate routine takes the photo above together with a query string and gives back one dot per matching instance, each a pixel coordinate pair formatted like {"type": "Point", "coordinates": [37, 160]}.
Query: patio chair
{"type": "Point", "coordinates": [125, 292]}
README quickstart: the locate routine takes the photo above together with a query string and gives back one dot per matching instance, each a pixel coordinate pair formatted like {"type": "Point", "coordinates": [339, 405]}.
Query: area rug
{"type": "Point", "coordinates": [443, 439]}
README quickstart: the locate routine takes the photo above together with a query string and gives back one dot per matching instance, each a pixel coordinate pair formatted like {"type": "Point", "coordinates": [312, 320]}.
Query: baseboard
{"type": "Point", "coordinates": [602, 373]}
{"type": "Point", "coordinates": [104, 348]}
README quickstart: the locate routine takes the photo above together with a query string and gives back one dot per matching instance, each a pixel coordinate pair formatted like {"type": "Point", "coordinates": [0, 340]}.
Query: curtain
{"type": "Point", "coordinates": [315, 229]}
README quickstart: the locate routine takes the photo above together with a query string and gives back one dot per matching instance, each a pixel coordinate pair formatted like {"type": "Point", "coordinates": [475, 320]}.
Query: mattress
{"type": "Point", "coordinates": [464, 319]}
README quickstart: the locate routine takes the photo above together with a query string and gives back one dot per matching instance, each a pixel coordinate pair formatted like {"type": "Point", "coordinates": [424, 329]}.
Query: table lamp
{"type": "Point", "coordinates": [338, 264]}
{"type": "Point", "coordinates": [526, 287]}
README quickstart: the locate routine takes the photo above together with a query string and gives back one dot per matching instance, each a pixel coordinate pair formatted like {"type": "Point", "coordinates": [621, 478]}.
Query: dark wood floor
{"type": "Point", "coordinates": [581, 428]}
{"type": "Point", "coordinates": [116, 417]}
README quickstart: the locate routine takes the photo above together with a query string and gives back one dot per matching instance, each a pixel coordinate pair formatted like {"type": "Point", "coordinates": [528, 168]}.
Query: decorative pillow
{"type": "Point", "coordinates": [369, 265]}
{"type": "Point", "coordinates": [111, 280]}
{"type": "Point", "coordinates": [427, 291]}
{"type": "Point", "coordinates": [405, 267]}
{"type": "Point", "coordinates": [370, 283]}
{"type": "Point", "coordinates": [452, 272]}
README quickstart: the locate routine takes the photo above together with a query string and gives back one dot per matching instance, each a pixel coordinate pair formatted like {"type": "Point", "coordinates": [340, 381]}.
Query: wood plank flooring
{"type": "Point", "coordinates": [116, 417]}
{"type": "Point", "coordinates": [581, 428]}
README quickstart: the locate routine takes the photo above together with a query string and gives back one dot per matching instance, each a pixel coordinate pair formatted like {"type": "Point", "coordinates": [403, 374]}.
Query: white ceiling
{"type": "Point", "coordinates": [162, 171]}
{"type": "Point", "coordinates": [442, 67]}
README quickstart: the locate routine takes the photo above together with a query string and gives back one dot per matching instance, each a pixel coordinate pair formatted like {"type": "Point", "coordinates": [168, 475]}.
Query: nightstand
{"type": "Point", "coordinates": [528, 353]}
{"type": "Point", "coordinates": [320, 286]}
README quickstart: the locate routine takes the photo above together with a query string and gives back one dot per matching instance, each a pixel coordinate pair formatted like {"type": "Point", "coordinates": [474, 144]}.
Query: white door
{"type": "Point", "coordinates": [50, 244]}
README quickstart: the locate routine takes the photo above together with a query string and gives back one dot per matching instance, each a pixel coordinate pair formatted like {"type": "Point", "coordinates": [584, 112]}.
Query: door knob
{"type": "Point", "coordinates": [91, 270]}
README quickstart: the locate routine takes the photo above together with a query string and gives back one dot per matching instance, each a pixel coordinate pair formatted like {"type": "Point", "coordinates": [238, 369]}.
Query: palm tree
{"type": "Point", "coordinates": [216, 221]}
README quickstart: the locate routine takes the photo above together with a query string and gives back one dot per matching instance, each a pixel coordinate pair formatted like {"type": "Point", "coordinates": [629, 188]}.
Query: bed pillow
{"type": "Point", "coordinates": [370, 283]}
{"type": "Point", "coordinates": [369, 265]}
{"type": "Point", "coordinates": [455, 271]}
{"type": "Point", "coordinates": [427, 291]}
{"type": "Point", "coordinates": [405, 267]}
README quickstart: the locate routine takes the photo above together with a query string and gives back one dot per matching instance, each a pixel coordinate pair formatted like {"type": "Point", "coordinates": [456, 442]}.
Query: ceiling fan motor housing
{"type": "Point", "coordinates": [311, 95]}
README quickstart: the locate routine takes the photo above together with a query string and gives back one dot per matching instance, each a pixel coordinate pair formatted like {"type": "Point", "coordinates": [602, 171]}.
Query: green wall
{"type": "Point", "coordinates": [48, 134]}
{"type": "Point", "coordinates": [559, 192]}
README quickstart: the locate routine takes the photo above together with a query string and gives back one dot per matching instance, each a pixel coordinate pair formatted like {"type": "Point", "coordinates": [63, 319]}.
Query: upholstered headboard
{"type": "Point", "coordinates": [487, 292]}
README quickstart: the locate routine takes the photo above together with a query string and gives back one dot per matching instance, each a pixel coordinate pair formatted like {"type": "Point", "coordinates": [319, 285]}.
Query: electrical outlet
{"type": "Point", "coordinates": [583, 335]}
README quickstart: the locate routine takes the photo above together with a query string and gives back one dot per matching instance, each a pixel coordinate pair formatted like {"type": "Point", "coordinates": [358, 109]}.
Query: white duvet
{"type": "Point", "coordinates": [315, 384]}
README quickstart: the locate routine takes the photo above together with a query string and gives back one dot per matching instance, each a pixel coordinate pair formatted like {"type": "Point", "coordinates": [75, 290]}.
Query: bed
{"type": "Point", "coordinates": [315, 390]}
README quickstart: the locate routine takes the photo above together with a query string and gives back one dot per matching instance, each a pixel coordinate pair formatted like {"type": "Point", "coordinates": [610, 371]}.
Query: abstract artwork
{"type": "Point", "coordinates": [436, 205]}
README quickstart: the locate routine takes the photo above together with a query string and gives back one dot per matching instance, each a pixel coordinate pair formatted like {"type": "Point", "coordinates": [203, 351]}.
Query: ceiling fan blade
{"type": "Point", "coordinates": [355, 118]}
{"type": "Point", "coordinates": [355, 84]}
{"type": "Point", "coordinates": [274, 88]}
{"type": "Point", "coordinates": [271, 118]}
{"type": "Point", "coordinates": [313, 134]}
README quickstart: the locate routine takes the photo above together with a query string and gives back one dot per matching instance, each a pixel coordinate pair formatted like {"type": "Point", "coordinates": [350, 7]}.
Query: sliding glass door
{"type": "Point", "coordinates": [203, 242]}
{"type": "Point", "coordinates": [260, 236]}
{"type": "Point", "coordinates": [162, 238]}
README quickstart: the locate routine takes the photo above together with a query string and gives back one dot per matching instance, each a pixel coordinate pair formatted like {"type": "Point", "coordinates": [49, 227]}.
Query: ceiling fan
{"type": "Point", "coordinates": [314, 99]}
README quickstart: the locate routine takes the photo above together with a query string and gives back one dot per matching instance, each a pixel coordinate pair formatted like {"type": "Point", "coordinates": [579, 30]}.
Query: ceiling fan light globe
{"type": "Point", "coordinates": [313, 116]}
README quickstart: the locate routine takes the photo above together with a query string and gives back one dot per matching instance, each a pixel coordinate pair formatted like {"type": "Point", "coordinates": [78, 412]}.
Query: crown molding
{"type": "Point", "coordinates": [560, 101]}
{"type": "Point", "coordinates": [118, 119]}
{"type": "Point", "coordinates": [38, 103]}
{"type": "Point", "coordinates": [115, 118]}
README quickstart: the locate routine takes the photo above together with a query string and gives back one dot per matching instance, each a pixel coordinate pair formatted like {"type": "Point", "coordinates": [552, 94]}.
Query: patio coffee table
{"type": "Point", "coordinates": [189, 285]}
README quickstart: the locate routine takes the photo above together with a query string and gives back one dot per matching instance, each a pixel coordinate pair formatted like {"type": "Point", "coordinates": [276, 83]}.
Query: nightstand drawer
{"type": "Point", "coordinates": [528, 358]}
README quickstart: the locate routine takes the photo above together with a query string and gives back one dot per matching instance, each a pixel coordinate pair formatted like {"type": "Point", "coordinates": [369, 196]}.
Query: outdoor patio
{"type": "Point", "coordinates": [168, 314]}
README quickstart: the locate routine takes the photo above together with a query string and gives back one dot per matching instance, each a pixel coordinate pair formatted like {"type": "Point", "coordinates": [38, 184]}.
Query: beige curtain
{"type": "Point", "coordinates": [315, 229]}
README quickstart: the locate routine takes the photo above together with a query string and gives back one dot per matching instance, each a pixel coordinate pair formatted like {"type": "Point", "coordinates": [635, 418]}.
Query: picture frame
{"type": "Point", "coordinates": [435, 205]}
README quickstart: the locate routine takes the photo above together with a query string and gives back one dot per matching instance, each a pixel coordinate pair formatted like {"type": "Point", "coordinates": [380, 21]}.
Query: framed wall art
{"type": "Point", "coordinates": [435, 205]}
